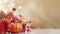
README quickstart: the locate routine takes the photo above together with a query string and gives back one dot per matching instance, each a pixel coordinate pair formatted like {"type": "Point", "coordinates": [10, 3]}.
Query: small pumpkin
{"type": "Point", "coordinates": [16, 27]}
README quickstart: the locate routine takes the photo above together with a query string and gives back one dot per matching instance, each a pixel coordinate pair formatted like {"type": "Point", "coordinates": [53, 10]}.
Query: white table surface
{"type": "Point", "coordinates": [43, 31]}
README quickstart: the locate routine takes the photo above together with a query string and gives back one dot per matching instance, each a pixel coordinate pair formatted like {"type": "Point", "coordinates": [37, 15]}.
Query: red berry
{"type": "Point", "coordinates": [14, 9]}
{"type": "Point", "coordinates": [28, 29]}
{"type": "Point", "coordinates": [20, 15]}
{"type": "Point", "coordinates": [28, 26]}
{"type": "Point", "coordinates": [24, 27]}
{"type": "Point", "coordinates": [29, 21]}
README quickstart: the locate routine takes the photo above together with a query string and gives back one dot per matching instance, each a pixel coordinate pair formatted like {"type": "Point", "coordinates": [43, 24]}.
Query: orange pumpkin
{"type": "Point", "coordinates": [16, 27]}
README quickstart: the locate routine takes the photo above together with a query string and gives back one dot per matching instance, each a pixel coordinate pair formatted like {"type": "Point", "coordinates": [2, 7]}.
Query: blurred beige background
{"type": "Point", "coordinates": [43, 13]}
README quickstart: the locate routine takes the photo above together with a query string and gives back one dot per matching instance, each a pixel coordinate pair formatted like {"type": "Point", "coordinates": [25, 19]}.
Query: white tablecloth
{"type": "Point", "coordinates": [42, 31]}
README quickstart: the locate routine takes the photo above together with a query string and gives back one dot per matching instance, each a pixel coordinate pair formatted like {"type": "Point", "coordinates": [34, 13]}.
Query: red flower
{"type": "Point", "coordinates": [14, 18]}
{"type": "Point", "coordinates": [4, 25]}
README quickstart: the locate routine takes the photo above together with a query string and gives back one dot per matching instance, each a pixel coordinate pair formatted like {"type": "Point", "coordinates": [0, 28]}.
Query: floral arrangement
{"type": "Point", "coordinates": [13, 24]}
